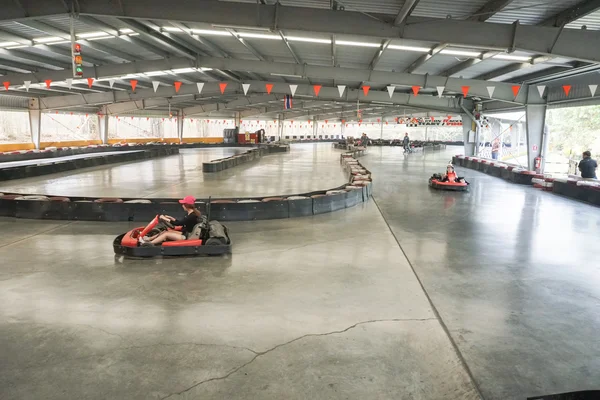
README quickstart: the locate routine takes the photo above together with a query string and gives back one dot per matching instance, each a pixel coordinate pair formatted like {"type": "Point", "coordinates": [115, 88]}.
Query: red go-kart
{"type": "Point", "coordinates": [207, 238]}
{"type": "Point", "coordinates": [436, 182]}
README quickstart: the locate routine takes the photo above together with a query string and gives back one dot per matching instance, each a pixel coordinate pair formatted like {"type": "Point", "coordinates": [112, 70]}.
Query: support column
{"type": "Point", "coordinates": [536, 132]}
{"type": "Point", "coordinates": [280, 126]}
{"type": "Point", "coordinates": [381, 128]}
{"type": "Point", "coordinates": [238, 118]}
{"type": "Point", "coordinates": [342, 129]}
{"type": "Point", "coordinates": [35, 122]}
{"type": "Point", "coordinates": [315, 127]}
{"type": "Point", "coordinates": [180, 125]}
{"type": "Point", "coordinates": [468, 126]}
{"type": "Point", "coordinates": [103, 124]}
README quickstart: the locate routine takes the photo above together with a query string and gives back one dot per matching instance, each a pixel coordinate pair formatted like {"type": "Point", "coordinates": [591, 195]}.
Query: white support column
{"type": "Point", "coordinates": [342, 129]}
{"type": "Point", "coordinates": [536, 133]}
{"type": "Point", "coordinates": [381, 133]}
{"type": "Point", "coordinates": [35, 122]}
{"type": "Point", "coordinates": [180, 125]}
{"type": "Point", "coordinates": [237, 122]}
{"type": "Point", "coordinates": [468, 126]}
{"type": "Point", "coordinates": [103, 125]}
{"type": "Point", "coordinates": [280, 126]}
{"type": "Point", "coordinates": [315, 128]}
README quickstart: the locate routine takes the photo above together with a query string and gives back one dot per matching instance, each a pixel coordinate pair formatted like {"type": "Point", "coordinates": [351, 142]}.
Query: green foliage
{"type": "Point", "coordinates": [574, 130]}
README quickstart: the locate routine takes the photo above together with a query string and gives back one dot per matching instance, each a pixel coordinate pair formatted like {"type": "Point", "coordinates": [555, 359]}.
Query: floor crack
{"type": "Point", "coordinates": [262, 353]}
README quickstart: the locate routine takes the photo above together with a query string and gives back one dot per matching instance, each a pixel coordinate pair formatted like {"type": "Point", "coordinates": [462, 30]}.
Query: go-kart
{"type": "Point", "coordinates": [207, 238]}
{"type": "Point", "coordinates": [436, 182]}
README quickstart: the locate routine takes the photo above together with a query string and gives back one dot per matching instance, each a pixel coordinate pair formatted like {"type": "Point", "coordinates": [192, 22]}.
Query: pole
{"type": "Point", "coordinates": [381, 134]}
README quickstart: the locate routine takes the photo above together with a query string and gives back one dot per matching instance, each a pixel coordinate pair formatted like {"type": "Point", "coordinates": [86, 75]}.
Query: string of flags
{"type": "Point", "coordinates": [268, 87]}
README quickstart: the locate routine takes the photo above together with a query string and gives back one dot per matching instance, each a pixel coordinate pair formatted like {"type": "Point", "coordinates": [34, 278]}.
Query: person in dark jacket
{"type": "Point", "coordinates": [588, 166]}
{"type": "Point", "coordinates": [406, 143]}
{"type": "Point", "coordinates": [364, 140]}
{"type": "Point", "coordinates": [187, 224]}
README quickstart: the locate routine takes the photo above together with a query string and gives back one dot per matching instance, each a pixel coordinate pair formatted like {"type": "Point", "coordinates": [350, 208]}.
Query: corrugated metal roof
{"type": "Point", "coordinates": [436, 64]}
{"type": "Point", "coordinates": [8, 101]}
{"type": "Point", "coordinates": [347, 55]}
{"type": "Point", "coordinates": [313, 53]}
{"type": "Point", "coordinates": [531, 12]}
{"type": "Point", "coordinates": [458, 9]}
{"type": "Point", "coordinates": [529, 70]}
{"type": "Point", "coordinates": [397, 60]}
{"type": "Point", "coordinates": [591, 21]}
{"type": "Point", "coordinates": [270, 48]}
{"type": "Point", "coordinates": [481, 68]}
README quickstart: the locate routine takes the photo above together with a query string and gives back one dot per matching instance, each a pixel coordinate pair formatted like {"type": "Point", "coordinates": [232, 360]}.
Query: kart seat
{"type": "Point", "coordinates": [196, 232]}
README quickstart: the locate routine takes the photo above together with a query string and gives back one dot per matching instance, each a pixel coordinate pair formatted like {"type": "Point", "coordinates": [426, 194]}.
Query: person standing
{"type": "Point", "coordinates": [364, 140]}
{"type": "Point", "coordinates": [406, 143]}
{"type": "Point", "coordinates": [495, 148]}
{"type": "Point", "coordinates": [588, 166]}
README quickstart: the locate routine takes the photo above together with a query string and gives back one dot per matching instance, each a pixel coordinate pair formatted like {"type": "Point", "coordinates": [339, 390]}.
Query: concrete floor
{"type": "Point", "coordinates": [326, 307]}
{"type": "Point", "coordinates": [307, 167]}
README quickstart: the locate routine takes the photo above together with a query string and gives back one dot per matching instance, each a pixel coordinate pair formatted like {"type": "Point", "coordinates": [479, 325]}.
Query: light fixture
{"type": "Point", "coordinates": [56, 42]}
{"type": "Point", "coordinates": [250, 28]}
{"type": "Point", "coordinates": [21, 46]}
{"type": "Point", "coordinates": [286, 75]}
{"type": "Point", "coordinates": [155, 73]}
{"type": "Point", "coordinates": [5, 44]}
{"type": "Point", "coordinates": [258, 36]}
{"type": "Point", "coordinates": [126, 30]}
{"type": "Point", "coordinates": [183, 70]}
{"type": "Point", "coordinates": [47, 39]}
{"type": "Point", "coordinates": [308, 40]}
{"type": "Point", "coordinates": [460, 53]}
{"type": "Point", "coordinates": [509, 57]}
{"type": "Point", "coordinates": [105, 37]}
{"type": "Point", "coordinates": [210, 32]}
{"type": "Point", "coordinates": [357, 44]}
{"type": "Point", "coordinates": [409, 48]}
{"type": "Point", "coordinates": [170, 29]}
{"type": "Point", "coordinates": [92, 35]}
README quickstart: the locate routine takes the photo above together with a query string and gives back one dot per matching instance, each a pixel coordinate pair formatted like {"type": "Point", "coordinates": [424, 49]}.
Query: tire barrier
{"type": "Point", "coordinates": [355, 191]}
{"type": "Point", "coordinates": [246, 157]}
{"type": "Point", "coordinates": [573, 187]}
{"type": "Point", "coordinates": [32, 170]}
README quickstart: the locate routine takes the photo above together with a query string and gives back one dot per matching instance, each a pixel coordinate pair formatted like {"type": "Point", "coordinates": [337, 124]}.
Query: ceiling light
{"type": "Point", "coordinates": [308, 40]}
{"type": "Point", "coordinates": [259, 36]}
{"type": "Point", "coordinates": [57, 42]}
{"type": "Point", "coordinates": [133, 34]}
{"type": "Point", "coordinates": [92, 35]}
{"type": "Point", "coordinates": [509, 57]}
{"type": "Point", "coordinates": [47, 39]}
{"type": "Point", "coordinates": [170, 29]}
{"type": "Point", "coordinates": [183, 70]}
{"type": "Point", "coordinates": [4, 44]}
{"type": "Point", "coordinates": [461, 53]}
{"type": "Point", "coordinates": [286, 75]}
{"type": "Point", "coordinates": [250, 28]}
{"type": "Point", "coordinates": [21, 46]}
{"type": "Point", "coordinates": [104, 37]}
{"type": "Point", "coordinates": [210, 32]}
{"type": "Point", "coordinates": [205, 69]}
{"type": "Point", "coordinates": [156, 73]}
{"type": "Point", "coordinates": [409, 48]}
{"type": "Point", "coordinates": [358, 44]}
{"type": "Point", "coordinates": [126, 30]}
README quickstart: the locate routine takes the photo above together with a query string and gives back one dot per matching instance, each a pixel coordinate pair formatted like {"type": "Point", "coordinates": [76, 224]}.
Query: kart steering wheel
{"type": "Point", "coordinates": [167, 223]}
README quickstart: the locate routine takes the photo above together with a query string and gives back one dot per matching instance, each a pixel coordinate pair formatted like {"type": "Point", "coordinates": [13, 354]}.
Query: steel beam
{"type": "Point", "coordinates": [511, 68]}
{"type": "Point", "coordinates": [34, 58]}
{"type": "Point", "coordinates": [95, 45]}
{"type": "Point", "coordinates": [569, 15]}
{"type": "Point", "coordinates": [478, 87]}
{"type": "Point", "coordinates": [425, 57]}
{"type": "Point", "coordinates": [382, 49]}
{"type": "Point", "coordinates": [247, 45]}
{"type": "Point", "coordinates": [468, 63]}
{"type": "Point", "coordinates": [212, 89]}
{"type": "Point", "coordinates": [289, 47]}
{"type": "Point", "coordinates": [405, 11]}
{"type": "Point", "coordinates": [537, 39]}
{"type": "Point", "coordinates": [488, 10]}
{"type": "Point", "coordinates": [11, 37]}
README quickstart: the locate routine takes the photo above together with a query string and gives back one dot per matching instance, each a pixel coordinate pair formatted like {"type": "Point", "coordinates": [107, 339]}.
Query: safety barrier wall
{"type": "Point", "coordinates": [238, 159]}
{"type": "Point", "coordinates": [357, 190]}
{"type": "Point", "coordinates": [62, 165]}
{"type": "Point", "coordinates": [572, 188]}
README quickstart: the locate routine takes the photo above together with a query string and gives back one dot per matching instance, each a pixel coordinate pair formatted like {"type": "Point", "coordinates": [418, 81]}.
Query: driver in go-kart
{"type": "Point", "coordinates": [450, 175]}
{"type": "Point", "coordinates": [187, 224]}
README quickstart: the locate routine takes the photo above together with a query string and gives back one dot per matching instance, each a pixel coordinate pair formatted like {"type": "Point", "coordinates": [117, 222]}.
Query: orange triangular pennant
{"type": "Point", "coordinates": [133, 83]}
{"type": "Point", "coordinates": [269, 87]}
{"type": "Point", "coordinates": [222, 86]}
{"type": "Point", "coordinates": [416, 89]}
{"type": "Point", "coordinates": [48, 82]}
{"type": "Point", "coordinates": [6, 85]}
{"type": "Point", "coordinates": [177, 85]}
{"type": "Point", "coordinates": [465, 90]}
{"type": "Point", "coordinates": [567, 89]}
{"type": "Point", "coordinates": [90, 82]}
{"type": "Point", "coordinates": [366, 90]}
{"type": "Point", "coordinates": [317, 89]}
{"type": "Point", "coordinates": [516, 89]}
